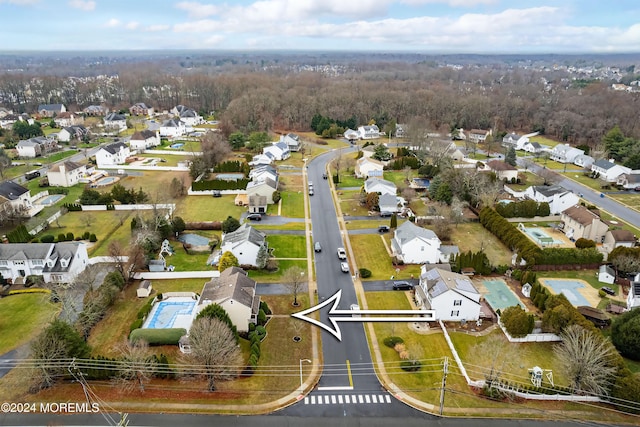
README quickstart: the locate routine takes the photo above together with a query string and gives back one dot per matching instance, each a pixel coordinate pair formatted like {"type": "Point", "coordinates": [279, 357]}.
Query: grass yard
{"type": "Point", "coordinates": [187, 262]}
{"type": "Point", "coordinates": [370, 224]}
{"type": "Point", "coordinates": [399, 178]}
{"type": "Point", "coordinates": [156, 184]}
{"type": "Point", "coordinates": [310, 140]}
{"type": "Point", "coordinates": [630, 200]}
{"type": "Point", "coordinates": [292, 204]}
{"type": "Point", "coordinates": [291, 182]}
{"type": "Point", "coordinates": [189, 146]}
{"type": "Point", "coordinates": [526, 179]}
{"type": "Point", "coordinates": [207, 208]}
{"type": "Point", "coordinates": [350, 181]}
{"type": "Point", "coordinates": [287, 246]}
{"type": "Point", "coordinates": [288, 226]}
{"type": "Point", "coordinates": [620, 224]}
{"type": "Point", "coordinates": [350, 203]}
{"type": "Point", "coordinates": [472, 236]}
{"type": "Point", "coordinates": [544, 141]}
{"type": "Point", "coordinates": [371, 254]}
{"type": "Point", "coordinates": [264, 276]}
{"type": "Point", "coordinates": [594, 184]}
{"type": "Point", "coordinates": [23, 317]}
{"type": "Point", "coordinates": [171, 159]}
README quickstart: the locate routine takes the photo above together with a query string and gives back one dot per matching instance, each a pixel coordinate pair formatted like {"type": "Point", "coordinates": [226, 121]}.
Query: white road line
{"type": "Point", "coordinates": [367, 398]}
{"type": "Point", "coordinates": [340, 399]}
{"type": "Point", "coordinates": [374, 398]}
{"type": "Point", "coordinates": [387, 398]}
{"type": "Point", "coordinates": [333, 399]}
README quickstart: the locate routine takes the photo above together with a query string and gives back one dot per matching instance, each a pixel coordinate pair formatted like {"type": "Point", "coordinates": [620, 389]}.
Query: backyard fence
{"type": "Point", "coordinates": [560, 267]}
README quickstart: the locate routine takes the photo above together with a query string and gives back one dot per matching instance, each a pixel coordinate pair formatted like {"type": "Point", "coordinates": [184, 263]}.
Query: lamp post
{"type": "Point", "coordinates": [302, 360]}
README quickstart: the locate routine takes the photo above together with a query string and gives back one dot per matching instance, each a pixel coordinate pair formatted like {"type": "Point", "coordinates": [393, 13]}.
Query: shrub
{"type": "Point", "coordinates": [601, 293]}
{"type": "Point", "coordinates": [262, 317]}
{"type": "Point", "coordinates": [261, 332]}
{"type": "Point", "coordinates": [265, 307]}
{"type": "Point", "coordinates": [392, 341]}
{"type": "Point", "coordinates": [48, 238]}
{"type": "Point", "coordinates": [252, 327]}
{"type": "Point", "coordinates": [61, 237]}
{"type": "Point", "coordinates": [93, 238]}
{"type": "Point", "coordinates": [145, 309]}
{"type": "Point", "coordinates": [625, 334]}
{"type": "Point", "coordinates": [364, 273]}
{"type": "Point", "coordinates": [169, 336]}
{"type": "Point", "coordinates": [86, 235]}
{"type": "Point", "coordinates": [255, 349]}
{"type": "Point", "coordinates": [516, 321]}
{"type": "Point", "coordinates": [583, 243]}
{"type": "Point", "coordinates": [410, 365]}
{"type": "Point", "coordinates": [136, 325]}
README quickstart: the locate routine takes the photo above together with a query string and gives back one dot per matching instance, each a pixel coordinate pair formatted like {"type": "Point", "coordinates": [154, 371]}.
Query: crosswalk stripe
{"type": "Point", "coordinates": [306, 400]}
{"type": "Point", "coordinates": [340, 399]}
{"type": "Point", "coordinates": [387, 398]}
{"type": "Point", "coordinates": [326, 399]}
{"type": "Point", "coordinates": [374, 398]}
{"type": "Point", "coordinates": [367, 398]}
{"type": "Point", "coordinates": [360, 399]}
{"type": "Point", "coordinates": [346, 398]}
{"type": "Point", "coordinates": [333, 399]}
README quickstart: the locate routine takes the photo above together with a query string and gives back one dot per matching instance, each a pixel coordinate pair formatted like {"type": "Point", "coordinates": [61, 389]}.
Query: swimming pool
{"type": "Point", "coordinates": [570, 289]}
{"type": "Point", "coordinates": [540, 237]}
{"type": "Point", "coordinates": [230, 176]}
{"type": "Point", "coordinates": [106, 180]}
{"type": "Point", "coordinates": [499, 295]}
{"type": "Point", "coordinates": [177, 145]}
{"type": "Point", "coordinates": [175, 312]}
{"type": "Point", "coordinates": [193, 239]}
{"type": "Point", "coordinates": [51, 199]}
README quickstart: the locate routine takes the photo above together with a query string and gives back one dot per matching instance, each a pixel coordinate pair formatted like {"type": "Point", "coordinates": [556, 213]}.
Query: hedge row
{"type": "Point", "coordinates": [523, 209]}
{"type": "Point", "coordinates": [560, 256]}
{"type": "Point", "coordinates": [217, 184]}
{"type": "Point", "coordinates": [168, 336]}
{"type": "Point", "coordinates": [30, 291]}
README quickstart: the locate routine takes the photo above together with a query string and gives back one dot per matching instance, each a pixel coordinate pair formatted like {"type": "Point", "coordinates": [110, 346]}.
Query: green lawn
{"type": "Point", "coordinates": [207, 208]}
{"type": "Point", "coordinates": [189, 146]}
{"type": "Point", "coordinates": [350, 181]}
{"type": "Point", "coordinates": [398, 177]}
{"type": "Point", "coordinates": [288, 226]}
{"type": "Point", "coordinates": [472, 236]}
{"type": "Point", "coordinates": [350, 203]}
{"type": "Point", "coordinates": [183, 261]}
{"type": "Point", "coordinates": [292, 204]}
{"type": "Point", "coordinates": [287, 246]}
{"type": "Point", "coordinates": [527, 179]}
{"type": "Point", "coordinates": [594, 184]}
{"type": "Point", "coordinates": [371, 254]}
{"type": "Point", "coordinates": [23, 317]}
{"type": "Point", "coordinates": [544, 141]}
{"type": "Point", "coordinates": [366, 224]}
{"type": "Point", "coordinates": [630, 200]}
{"type": "Point", "coordinates": [276, 276]}
{"type": "Point", "coordinates": [171, 159]}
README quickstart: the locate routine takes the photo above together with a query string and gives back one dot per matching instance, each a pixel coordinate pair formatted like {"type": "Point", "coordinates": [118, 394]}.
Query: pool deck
{"type": "Point", "coordinates": [588, 292]}
{"type": "Point", "coordinates": [555, 234]}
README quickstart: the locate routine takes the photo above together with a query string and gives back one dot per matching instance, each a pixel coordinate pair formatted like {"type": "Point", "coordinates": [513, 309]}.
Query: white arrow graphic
{"type": "Point", "coordinates": [360, 315]}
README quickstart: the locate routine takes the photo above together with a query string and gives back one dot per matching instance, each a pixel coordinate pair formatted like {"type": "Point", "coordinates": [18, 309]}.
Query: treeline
{"type": "Point", "coordinates": [523, 209]}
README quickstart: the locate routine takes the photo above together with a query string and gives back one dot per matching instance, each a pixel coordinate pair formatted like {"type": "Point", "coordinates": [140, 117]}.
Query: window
{"type": "Point", "coordinates": [457, 302]}
{"type": "Point", "coordinates": [455, 313]}
{"type": "Point", "coordinates": [18, 262]}
{"type": "Point", "coordinates": [37, 262]}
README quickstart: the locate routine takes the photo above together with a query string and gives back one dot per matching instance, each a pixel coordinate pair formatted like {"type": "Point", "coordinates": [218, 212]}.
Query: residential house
{"type": "Point", "coordinates": [412, 244]}
{"type": "Point", "coordinates": [380, 186]}
{"type": "Point", "coordinates": [15, 198]}
{"type": "Point", "coordinates": [66, 174]}
{"type": "Point", "coordinates": [51, 110]}
{"type": "Point", "coordinates": [633, 298]}
{"type": "Point", "coordinates": [235, 292]}
{"type": "Point", "coordinates": [401, 131]}
{"type": "Point", "coordinates": [76, 132]}
{"type": "Point", "coordinates": [293, 141]}
{"type": "Point", "coordinates": [368, 132]}
{"type": "Point", "coordinates": [579, 222]}
{"type": "Point", "coordinates": [459, 135]}
{"type": "Point", "coordinates": [584, 161]}
{"type": "Point", "coordinates": [67, 119]}
{"type": "Point", "coordinates": [245, 243]}
{"type": "Point", "coordinates": [187, 115]}
{"type": "Point", "coordinates": [453, 296]}
{"type": "Point", "coordinates": [606, 274]}
{"type": "Point", "coordinates": [115, 121]}
{"type": "Point", "coordinates": [511, 139]}
{"type": "Point", "coordinates": [112, 154]}
{"type": "Point", "coordinates": [144, 139]}
{"type": "Point", "coordinates": [96, 110]}
{"type": "Point", "coordinates": [144, 289]}
{"type": "Point", "coordinates": [56, 262]}
{"type": "Point", "coordinates": [140, 109]}
{"type": "Point", "coordinates": [388, 204]}
{"type": "Point", "coordinates": [351, 135]}
{"type": "Point", "coordinates": [564, 153]}
{"type": "Point", "coordinates": [172, 128]}
{"type": "Point", "coordinates": [263, 187]}
{"type": "Point", "coordinates": [367, 167]}
{"type": "Point", "coordinates": [262, 159]}
{"type": "Point", "coordinates": [532, 147]}
{"type": "Point", "coordinates": [36, 146]}
{"type": "Point", "coordinates": [7, 122]}
{"type": "Point", "coordinates": [257, 204]}
{"type": "Point", "coordinates": [5, 112]}
{"type": "Point", "coordinates": [479, 136]}
{"type": "Point", "coordinates": [629, 181]}
{"type": "Point", "coordinates": [368, 151]}
{"type": "Point", "coordinates": [617, 238]}
{"type": "Point", "coordinates": [557, 197]}
{"type": "Point", "coordinates": [503, 170]}
{"type": "Point", "coordinates": [608, 170]}
{"type": "Point", "coordinates": [279, 150]}
{"type": "Point", "coordinates": [262, 172]}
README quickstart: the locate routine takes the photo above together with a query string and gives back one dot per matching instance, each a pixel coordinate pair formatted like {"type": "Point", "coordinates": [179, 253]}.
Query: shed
{"type": "Point", "coordinates": [144, 289]}
{"type": "Point", "coordinates": [526, 290]}
{"type": "Point", "coordinates": [468, 271]}
{"type": "Point", "coordinates": [606, 274]}
{"type": "Point", "coordinates": [594, 315]}
{"type": "Point", "coordinates": [157, 265]}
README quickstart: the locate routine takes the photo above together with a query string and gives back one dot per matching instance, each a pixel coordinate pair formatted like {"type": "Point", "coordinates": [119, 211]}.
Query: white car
{"type": "Point", "coordinates": [342, 254]}
{"type": "Point", "coordinates": [356, 308]}
{"type": "Point", "coordinates": [344, 267]}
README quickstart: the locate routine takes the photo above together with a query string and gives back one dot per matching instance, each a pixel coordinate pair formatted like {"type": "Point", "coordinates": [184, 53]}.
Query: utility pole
{"type": "Point", "coordinates": [444, 383]}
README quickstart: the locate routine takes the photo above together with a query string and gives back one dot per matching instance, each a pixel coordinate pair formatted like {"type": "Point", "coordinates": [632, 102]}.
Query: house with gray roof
{"type": "Point", "coordinates": [584, 161]}
{"type": "Point", "coordinates": [7, 121]}
{"type": "Point", "coordinates": [14, 199]}
{"type": "Point", "coordinates": [557, 197]}
{"type": "Point", "coordinates": [96, 110]}
{"type": "Point", "coordinates": [564, 153]}
{"type": "Point", "coordinates": [629, 181]}
{"type": "Point", "coordinates": [279, 150]}
{"type": "Point", "coordinates": [388, 204]}
{"type": "Point", "coordinates": [56, 262]}
{"type": "Point", "coordinates": [187, 115]}
{"type": "Point", "coordinates": [66, 174]}
{"type": "Point", "coordinates": [236, 293]}
{"type": "Point", "coordinates": [369, 132]}
{"type": "Point", "coordinates": [115, 121]}
{"type": "Point", "coordinates": [453, 296]}
{"type": "Point", "coordinates": [76, 132]}
{"type": "Point", "coordinates": [173, 128]}
{"type": "Point", "coordinates": [412, 244]}
{"type": "Point", "coordinates": [264, 186]}
{"type": "Point", "coordinates": [245, 243]}
{"type": "Point", "coordinates": [608, 170]}
{"type": "Point", "coordinates": [36, 146]}
{"type": "Point", "coordinates": [292, 140]}
{"type": "Point", "coordinates": [50, 110]}
{"type": "Point", "coordinates": [380, 186]}
{"type": "Point", "coordinates": [112, 154]}
{"type": "Point", "coordinates": [633, 298]}
{"type": "Point", "coordinates": [144, 139]}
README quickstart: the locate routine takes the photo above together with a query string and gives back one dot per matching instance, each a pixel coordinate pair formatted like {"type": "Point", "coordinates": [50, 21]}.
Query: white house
{"type": "Point", "coordinates": [388, 204]}
{"type": "Point", "coordinates": [262, 187]}
{"type": "Point", "coordinates": [511, 139]}
{"type": "Point", "coordinates": [380, 186]}
{"type": "Point", "coordinates": [633, 299]}
{"type": "Point", "coordinates": [172, 128]}
{"type": "Point", "coordinates": [236, 293]}
{"type": "Point", "coordinates": [115, 121]}
{"type": "Point", "coordinates": [263, 172]}
{"type": "Point", "coordinates": [557, 197]}
{"type": "Point", "coordinates": [579, 222]}
{"type": "Point", "coordinates": [292, 140]}
{"type": "Point", "coordinates": [244, 244]}
{"type": "Point", "coordinates": [629, 181]}
{"type": "Point", "coordinates": [617, 238]}
{"type": "Point", "coordinates": [452, 295]}
{"type": "Point", "coordinates": [66, 174]}
{"type": "Point", "coordinates": [279, 150]}
{"type": "Point", "coordinates": [72, 132]}
{"type": "Point", "coordinates": [532, 147]}
{"type": "Point", "coordinates": [351, 134]}
{"type": "Point", "coordinates": [608, 170]}
{"type": "Point", "coordinates": [56, 262]}
{"type": "Point", "coordinates": [479, 135]}
{"type": "Point", "coordinates": [584, 161]}
{"type": "Point", "coordinates": [564, 153]}
{"type": "Point", "coordinates": [112, 154]}
{"type": "Point", "coordinates": [368, 132]}
{"type": "Point", "coordinates": [412, 244]}
{"type": "Point", "coordinates": [261, 159]}
{"type": "Point", "coordinates": [7, 121]}
{"type": "Point", "coordinates": [96, 110]}
{"type": "Point", "coordinates": [143, 140]}
{"type": "Point", "coordinates": [187, 115]}
{"type": "Point", "coordinates": [606, 274]}
{"type": "Point", "coordinates": [15, 197]}
{"type": "Point", "coordinates": [367, 167]}
{"type": "Point", "coordinates": [503, 170]}
{"type": "Point", "coordinates": [67, 119]}
{"type": "Point", "coordinates": [36, 146]}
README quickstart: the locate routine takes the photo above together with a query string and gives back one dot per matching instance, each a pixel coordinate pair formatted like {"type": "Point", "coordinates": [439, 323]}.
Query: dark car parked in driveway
{"type": "Point", "coordinates": [254, 217]}
{"type": "Point", "coordinates": [402, 286]}
{"type": "Point", "coordinates": [383, 229]}
{"type": "Point", "coordinates": [608, 290]}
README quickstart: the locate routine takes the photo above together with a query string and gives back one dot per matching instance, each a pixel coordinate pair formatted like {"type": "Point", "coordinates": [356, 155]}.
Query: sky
{"type": "Point", "coordinates": [430, 26]}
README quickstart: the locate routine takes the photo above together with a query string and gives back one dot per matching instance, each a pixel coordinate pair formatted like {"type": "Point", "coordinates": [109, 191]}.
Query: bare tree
{"type": "Point", "coordinates": [586, 358]}
{"type": "Point", "coordinates": [500, 360]}
{"type": "Point", "coordinates": [45, 349]}
{"type": "Point", "coordinates": [293, 279]}
{"type": "Point", "coordinates": [338, 163]}
{"type": "Point", "coordinates": [214, 349]}
{"type": "Point", "coordinates": [137, 365]}
{"type": "Point", "coordinates": [118, 255]}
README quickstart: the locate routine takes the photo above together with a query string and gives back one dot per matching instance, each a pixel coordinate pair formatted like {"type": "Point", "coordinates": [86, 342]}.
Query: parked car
{"type": "Point", "coordinates": [311, 191]}
{"type": "Point", "coordinates": [317, 247]}
{"type": "Point", "coordinates": [325, 176]}
{"type": "Point", "coordinates": [310, 184]}
{"type": "Point", "coordinates": [254, 217]}
{"type": "Point", "coordinates": [608, 290]}
{"type": "Point", "coordinates": [344, 267]}
{"type": "Point", "coordinates": [402, 285]}
{"type": "Point", "coordinates": [383, 229]}
{"type": "Point", "coordinates": [217, 193]}
{"type": "Point", "coordinates": [356, 308]}
{"type": "Point", "coordinates": [342, 254]}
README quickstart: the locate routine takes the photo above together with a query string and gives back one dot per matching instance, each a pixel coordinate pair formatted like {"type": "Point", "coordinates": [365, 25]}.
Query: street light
{"type": "Point", "coordinates": [302, 360]}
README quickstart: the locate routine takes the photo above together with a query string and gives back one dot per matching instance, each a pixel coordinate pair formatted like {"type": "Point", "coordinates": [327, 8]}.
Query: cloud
{"type": "Point", "coordinates": [158, 27]}
{"type": "Point", "coordinates": [112, 23]}
{"type": "Point", "coordinates": [86, 5]}
{"type": "Point", "coordinates": [195, 9]}
{"type": "Point", "coordinates": [452, 3]}
{"type": "Point", "coordinates": [132, 25]}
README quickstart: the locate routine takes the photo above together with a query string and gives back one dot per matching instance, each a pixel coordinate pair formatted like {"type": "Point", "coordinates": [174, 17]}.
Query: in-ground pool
{"type": "Point", "coordinates": [499, 295]}
{"type": "Point", "coordinates": [177, 145]}
{"type": "Point", "coordinates": [174, 312]}
{"type": "Point", "coordinates": [570, 289]}
{"type": "Point", "coordinates": [540, 236]}
{"type": "Point", "coordinates": [421, 182]}
{"type": "Point", "coordinates": [193, 239]}
{"type": "Point", "coordinates": [107, 180]}
{"type": "Point", "coordinates": [229, 176]}
{"type": "Point", "coordinates": [51, 199]}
